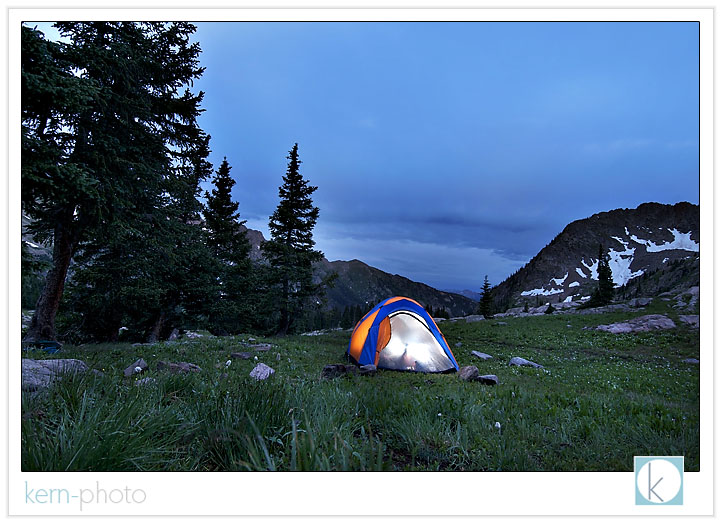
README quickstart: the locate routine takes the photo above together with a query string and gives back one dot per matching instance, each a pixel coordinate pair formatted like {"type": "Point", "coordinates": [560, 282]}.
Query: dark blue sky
{"type": "Point", "coordinates": [447, 151]}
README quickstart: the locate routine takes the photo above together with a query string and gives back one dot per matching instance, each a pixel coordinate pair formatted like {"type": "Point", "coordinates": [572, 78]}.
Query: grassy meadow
{"type": "Point", "coordinates": [600, 400]}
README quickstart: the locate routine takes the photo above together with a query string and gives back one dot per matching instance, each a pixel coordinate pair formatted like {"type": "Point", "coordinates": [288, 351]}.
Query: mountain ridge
{"type": "Point", "coordinates": [639, 242]}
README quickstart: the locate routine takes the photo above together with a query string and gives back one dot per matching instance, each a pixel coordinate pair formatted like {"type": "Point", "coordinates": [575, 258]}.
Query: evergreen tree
{"type": "Point", "coordinates": [122, 140]}
{"type": "Point", "coordinates": [485, 301]}
{"type": "Point", "coordinates": [606, 284]}
{"type": "Point", "coordinates": [604, 293]}
{"type": "Point", "coordinates": [290, 251]}
{"type": "Point", "coordinates": [234, 310]}
{"type": "Point", "coordinates": [227, 239]}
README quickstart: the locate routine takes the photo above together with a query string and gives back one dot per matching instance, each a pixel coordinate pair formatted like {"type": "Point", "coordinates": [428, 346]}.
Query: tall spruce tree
{"type": "Point", "coordinates": [233, 311]}
{"type": "Point", "coordinates": [485, 301]}
{"type": "Point", "coordinates": [606, 284]}
{"type": "Point", "coordinates": [604, 293]}
{"type": "Point", "coordinates": [123, 139]}
{"type": "Point", "coordinates": [290, 250]}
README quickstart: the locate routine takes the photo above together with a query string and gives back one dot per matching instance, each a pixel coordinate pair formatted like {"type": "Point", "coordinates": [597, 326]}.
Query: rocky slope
{"type": "Point", "coordinates": [365, 286]}
{"type": "Point", "coordinates": [653, 239]}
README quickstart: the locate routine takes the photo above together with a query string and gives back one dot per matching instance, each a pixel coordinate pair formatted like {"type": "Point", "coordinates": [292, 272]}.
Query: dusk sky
{"type": "Point", "coordinates": [448, 151]}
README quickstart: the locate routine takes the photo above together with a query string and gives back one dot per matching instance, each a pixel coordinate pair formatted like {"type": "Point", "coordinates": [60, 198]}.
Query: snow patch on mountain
{"type": "Point", "coordinates": [593, 269]}
{"type": "Point", "coordinates": [559, 281]}
{"type": "Point", "coordinates": [541, 291]}
{"type": "Point", "coordinates": [574, 284]}
{"type": "Point", "coordinates": [581, 273]}
{"type": "Point", "coordinates": [620, 263]}
{"type": "Point", "coordinates": [681, 241]}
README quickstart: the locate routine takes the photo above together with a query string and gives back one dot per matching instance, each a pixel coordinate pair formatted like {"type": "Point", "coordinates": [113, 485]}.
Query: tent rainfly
{"type": "Point", "coordinates": [399, 334]}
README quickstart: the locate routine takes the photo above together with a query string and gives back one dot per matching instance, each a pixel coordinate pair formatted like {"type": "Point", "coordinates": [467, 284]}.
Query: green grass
{"type": "Point", "coordinates": [601, 400]}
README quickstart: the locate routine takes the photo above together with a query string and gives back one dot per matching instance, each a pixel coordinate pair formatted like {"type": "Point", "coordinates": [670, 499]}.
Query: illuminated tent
{"type": "Point", "coordinates": [399, 334]}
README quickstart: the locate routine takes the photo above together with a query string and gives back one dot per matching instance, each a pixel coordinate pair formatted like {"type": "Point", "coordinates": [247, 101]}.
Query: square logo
{"type": "Point", "coordinates": [659, 480]}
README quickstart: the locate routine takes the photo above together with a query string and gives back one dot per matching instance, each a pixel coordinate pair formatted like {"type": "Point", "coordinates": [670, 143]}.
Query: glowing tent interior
{"type": "Point", "coordinates": [399, 334]}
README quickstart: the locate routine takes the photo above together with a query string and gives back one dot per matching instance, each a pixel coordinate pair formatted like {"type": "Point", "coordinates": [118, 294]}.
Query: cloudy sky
{"type": "Point", "coordinates": [448, 151]}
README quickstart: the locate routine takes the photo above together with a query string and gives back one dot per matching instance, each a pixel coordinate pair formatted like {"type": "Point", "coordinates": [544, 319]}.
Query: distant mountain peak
{"type": "Point", "coordinates": [638, 242]}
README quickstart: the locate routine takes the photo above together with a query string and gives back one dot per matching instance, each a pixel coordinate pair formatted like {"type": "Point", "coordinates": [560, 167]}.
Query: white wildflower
{"type": "Point", "coordinates": [497, 425]}
{"type": "Point", "coordinates": [438, 415]}
{"type": "Point", "coordinates": [228, 363]}
{"type": "Point", "coordinates": [138, 369]}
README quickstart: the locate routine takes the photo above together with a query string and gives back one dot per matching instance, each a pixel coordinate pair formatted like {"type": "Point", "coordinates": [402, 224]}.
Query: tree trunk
{"type": "Point", "coordinates": [42, 326]}
{"type": "Point", "coordinates": [155, 332]}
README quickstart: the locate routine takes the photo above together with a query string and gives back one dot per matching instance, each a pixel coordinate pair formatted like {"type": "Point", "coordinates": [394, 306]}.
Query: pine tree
{"type": "Point", "coordinates": [606, 284]}
{"type": "Point", "coordinates": [227, 239]}
{"type": "Point", "coordinates": [122, 141]}
{"type": "Point", "coordinates": [604, 293]}
{"type": "Point", "coordinates": [485, 301]}
{"type": "Point", "coordinates": [290, 250]}
{"type": "Point", "coordinates": [234, 310]}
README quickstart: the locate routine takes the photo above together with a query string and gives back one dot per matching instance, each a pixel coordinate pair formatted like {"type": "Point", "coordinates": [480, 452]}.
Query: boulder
{"type": "Point", "coordinates": [645, 323]}
{"type": "Point", "coordinates": [177, 367]}
{"type": "Point", "coordinates": [243, 355]}
{"type": "Point", "coordinates": [37, 374]}
{"type": "Point", "coordinates": [261, 371]}
{"type": "Point", "coordinates": [139, 366]}
{"type": "Point", "coordinates": [474, 318]}
{"type": "Point", "coordinates": [691, 320]}
{"type": "Point", "coordinates": [339, 370]}
{"type": "Point", "coordinates": [260, 347]}
{"type": "Point", "coordinates": [173, 334]}
{"type": "Point", "coordinates": [691, 361]}
{"type": "Point", "coordinates": [490, 380]}
{"type": "Point", "coordinates": [468, 373]}
{"type": "Point", "coordinates": [482, 356]}
{"type": "Point", "coordinates": [640, 302]}
{"type": "Point", "coordinates": [368, 369]}
{"type": "Point", "coordinates": [518, 361]}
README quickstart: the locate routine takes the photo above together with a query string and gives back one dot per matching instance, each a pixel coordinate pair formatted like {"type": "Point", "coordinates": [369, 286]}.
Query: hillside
{"type": "Point", "coordinates": [653, 239]}
{"type": "Point", "coordinates": [361, 284]}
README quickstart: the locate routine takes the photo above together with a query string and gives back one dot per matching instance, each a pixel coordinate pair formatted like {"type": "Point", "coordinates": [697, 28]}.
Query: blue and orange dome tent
{"type": "Point", "coordinates": [399, 334]}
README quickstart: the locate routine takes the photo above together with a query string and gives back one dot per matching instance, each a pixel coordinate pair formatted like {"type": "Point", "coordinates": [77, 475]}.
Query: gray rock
{"type": "Point", "coordinates": [691, 361]}
{"type": "Point", "coordinates": [338, 370]}
{"type": "Point", "coordinates": [173, 334]}
{"type": "Point", "coordinates": [260, 347]}
{"type": "Point", "coordinates": [97, 373]}
{"type": "Point", "coordinates": [691, 320]}
{"type": "Point", "coordinates": [468, 373]}
{"type": "Point", "coordinates": [518, 361]}
{"type": "Point", "coordinates": [132, 369]}
{"type": "Point", "coordinates": [458, 345]}
{"type": "Point", "coordinates": [474, 318]}
{"type": "Point", "coordinates": [368, 369]}
{"type": "Point", "coordinates": [251, 340]}
{"type": "Point", "coordinates": [177, 367]}
{"type": "Point", "coordinates": [482, 356]}
{"type": "Point", "coordinates": [37, 374]}
{"type": "Point", "coordinates": [262, 371]}
{"type": "Point", "coordinates": [500, 324]}
{"type": "Point", "coordinates": [147, 381]}
{"type": "Point", "coordinates": [491, 380]}
{"type": "Point", "coordinates": [640, 302]}
{"type": "Point", "coordinates": [243, 355]}
{"type": "Point", "coordinates": [645, 323]}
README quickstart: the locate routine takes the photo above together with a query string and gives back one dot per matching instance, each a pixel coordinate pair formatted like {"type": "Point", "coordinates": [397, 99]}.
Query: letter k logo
{"type": "Point", "coordinates": [659, 480]}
